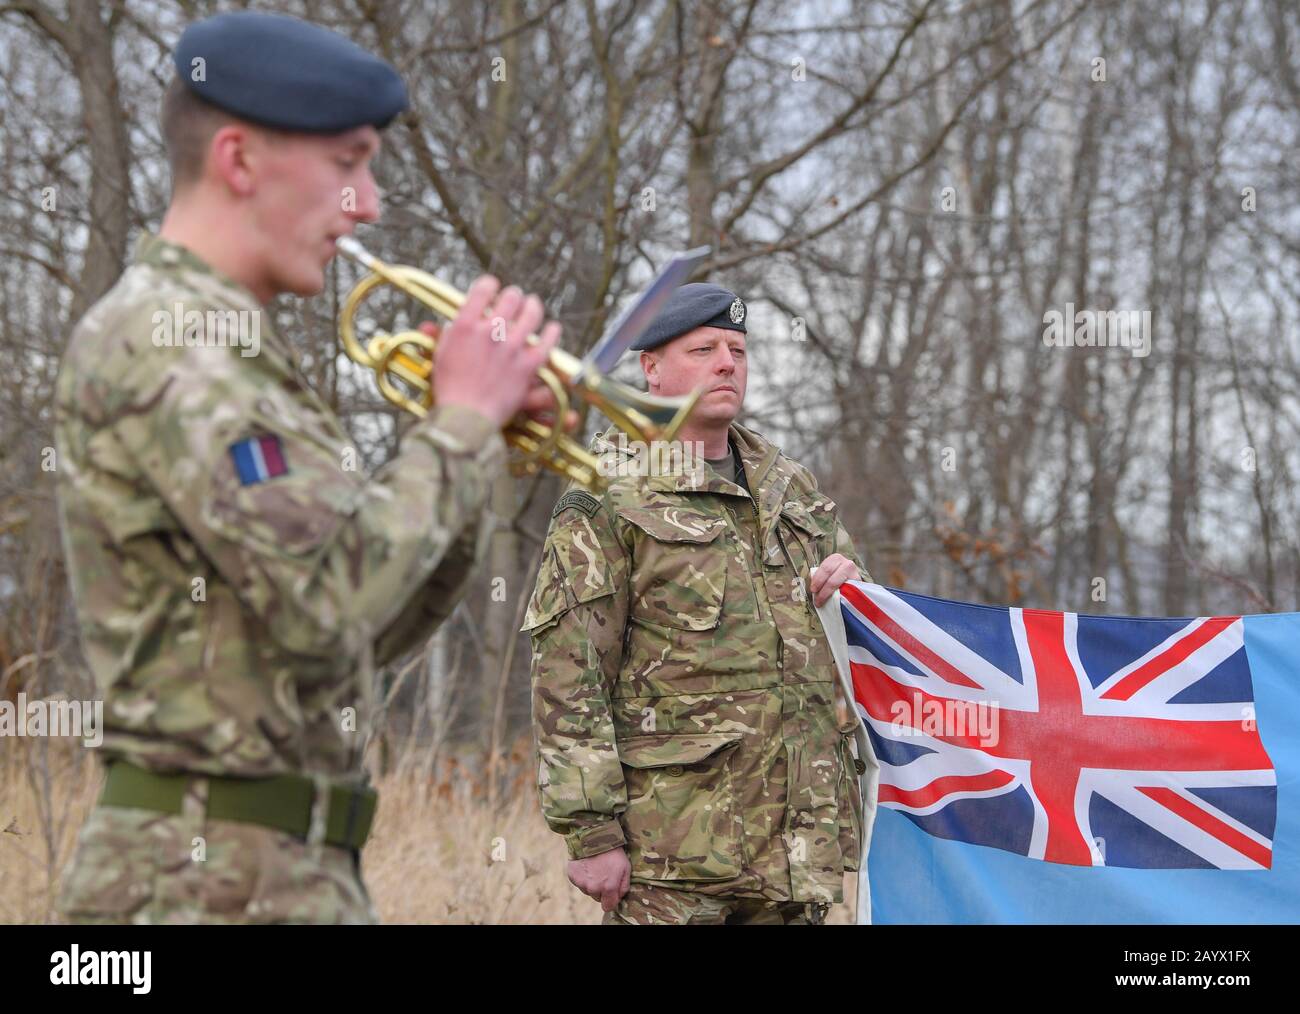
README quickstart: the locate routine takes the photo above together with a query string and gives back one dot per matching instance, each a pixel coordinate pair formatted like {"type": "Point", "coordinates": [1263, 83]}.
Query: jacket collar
{"type": "Point", "coordinates": [154, 251]}
{"type": "Point", "coordinates": [644, 468]}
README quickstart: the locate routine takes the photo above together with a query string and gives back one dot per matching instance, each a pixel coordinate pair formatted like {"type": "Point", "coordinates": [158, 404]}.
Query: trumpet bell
{"type": "Point", "coordinates": [403, 367]}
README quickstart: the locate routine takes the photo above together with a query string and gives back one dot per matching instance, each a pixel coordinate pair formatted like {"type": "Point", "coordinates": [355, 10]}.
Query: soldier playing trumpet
{"type": "Point", "coordinates": [236, 579]}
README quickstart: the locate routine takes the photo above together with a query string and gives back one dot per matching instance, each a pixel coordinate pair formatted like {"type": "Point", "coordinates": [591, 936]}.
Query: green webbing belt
{"type": "Point", "coordinates": [282, 802]}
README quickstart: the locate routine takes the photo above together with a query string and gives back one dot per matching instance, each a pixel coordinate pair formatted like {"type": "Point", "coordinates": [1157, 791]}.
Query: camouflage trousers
{"type": "Point", "coordinates": [138, 866]}
{"type": "Point", "coordinates": [644, 905]}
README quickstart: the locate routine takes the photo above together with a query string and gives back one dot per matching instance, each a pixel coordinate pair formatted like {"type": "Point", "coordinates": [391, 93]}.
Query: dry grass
{"type": "Point", "coordinates": [47, 786]}
{"type": "Point", "coordinates": [442, 850]}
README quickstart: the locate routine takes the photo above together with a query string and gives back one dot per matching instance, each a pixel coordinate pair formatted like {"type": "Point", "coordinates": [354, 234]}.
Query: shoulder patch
{"type": "Point", "coordinates": [258, 459]}
{"type": "Point", "coordinates": [580, 499]}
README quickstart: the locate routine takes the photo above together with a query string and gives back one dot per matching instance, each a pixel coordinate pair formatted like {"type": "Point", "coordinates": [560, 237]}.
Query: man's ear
{"type": "Point", "coordinates": [231, 155]}
{"type": "Point", "coordinates": [650, 367]}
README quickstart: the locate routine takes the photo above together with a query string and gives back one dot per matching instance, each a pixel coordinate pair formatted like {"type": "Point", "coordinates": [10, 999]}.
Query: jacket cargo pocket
{"type": "Point", "coordinates": [850, 800]}
{"type": "Point", "coordinates": [559, 589]}
{"type": "Point", "coordinates": [682, 821]}
{"type": "Point", "coordinates": [550, 595]}
{"type": "Point", "coordinates": [681, 575]}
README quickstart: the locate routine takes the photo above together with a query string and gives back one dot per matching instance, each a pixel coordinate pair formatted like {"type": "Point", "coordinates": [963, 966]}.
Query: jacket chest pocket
{"type": "Point", "coordinates": [680, 575]}
{"type": "Point", "coordinates": [795, 545]}
{"type": "Point", "coordinates": [682, 820]}
{"type": "Point", "coordinates": [798, 539]}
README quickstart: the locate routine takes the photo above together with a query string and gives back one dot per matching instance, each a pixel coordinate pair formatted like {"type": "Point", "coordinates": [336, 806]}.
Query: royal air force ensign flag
{"type": "Point", "coordinates": [1032, 766]}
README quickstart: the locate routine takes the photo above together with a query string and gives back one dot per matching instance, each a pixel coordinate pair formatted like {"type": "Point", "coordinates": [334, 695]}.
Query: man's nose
{"type": "Point", "coordinates": [367, 202]}
{"type": "Point", "coordinates": [726, 362]}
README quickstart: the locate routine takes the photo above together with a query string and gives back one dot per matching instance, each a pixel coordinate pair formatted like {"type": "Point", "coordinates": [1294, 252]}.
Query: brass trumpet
{"type": "Point", "coordinates": [403, 365]}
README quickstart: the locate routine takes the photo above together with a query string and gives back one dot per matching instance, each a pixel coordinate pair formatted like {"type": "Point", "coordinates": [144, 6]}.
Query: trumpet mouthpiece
{"type": "Point", "coordinates": [353, 249]}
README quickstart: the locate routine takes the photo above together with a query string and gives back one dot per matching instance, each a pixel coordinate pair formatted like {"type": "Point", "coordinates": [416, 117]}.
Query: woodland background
{"type": "Point", "coordinates": [899, 190]}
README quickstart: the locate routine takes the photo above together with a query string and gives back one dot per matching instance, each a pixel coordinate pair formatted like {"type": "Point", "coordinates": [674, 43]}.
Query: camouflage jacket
{"type": "Point", "coordinates": [683, 690]}
{"type": "Point", "coordinates": [232, 620]}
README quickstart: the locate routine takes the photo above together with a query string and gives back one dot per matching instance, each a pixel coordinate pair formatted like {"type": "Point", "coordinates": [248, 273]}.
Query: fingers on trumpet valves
{"type": "Point", "coordinates": [540, 404]}
{"type": "Point", "coordinates": [503, 312]}
{"type": "Point", "coordinates": [528, 318]}
{"type": "Point", "coordinates": [549, 338]}
{"type": "Point", "coordinates": [479, 298]}
{"type": "Point", "coordinates": [547, 418]}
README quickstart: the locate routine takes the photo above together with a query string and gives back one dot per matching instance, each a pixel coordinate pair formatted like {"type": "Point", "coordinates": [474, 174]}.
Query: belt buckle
{"type": "Point", "coordinates": [344, 818]}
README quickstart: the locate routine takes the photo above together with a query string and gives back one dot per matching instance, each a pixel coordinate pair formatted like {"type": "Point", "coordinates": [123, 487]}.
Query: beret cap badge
{"type": "Point", "coordinates": [736, 311]}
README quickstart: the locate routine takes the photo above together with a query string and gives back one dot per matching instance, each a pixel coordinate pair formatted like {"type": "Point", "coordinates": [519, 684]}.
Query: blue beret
{"type": "Point", "coordinates": [282, 72]}
{"type": "Point", "coordinates": [697, 304]}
